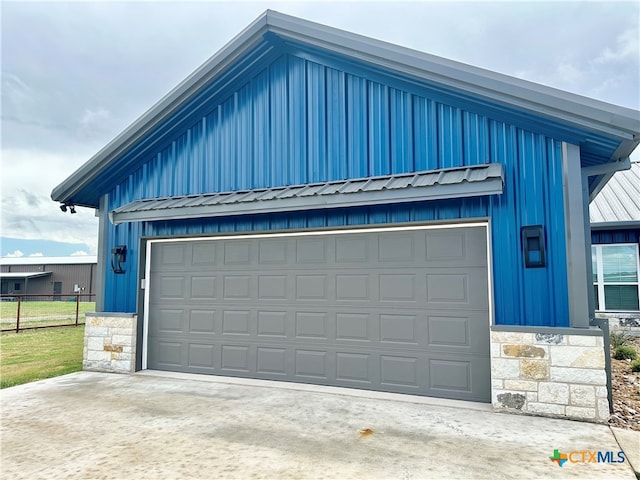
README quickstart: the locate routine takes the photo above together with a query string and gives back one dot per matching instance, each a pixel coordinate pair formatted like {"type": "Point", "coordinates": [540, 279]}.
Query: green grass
{"type": "Point", "coordinates": [8, 310]}
{"type": "Point", "coordinates": [36, 354]}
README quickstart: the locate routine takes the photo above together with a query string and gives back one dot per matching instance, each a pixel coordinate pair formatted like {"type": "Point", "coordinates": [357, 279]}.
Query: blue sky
{"type": "Point", "coordinates": [75, 74]}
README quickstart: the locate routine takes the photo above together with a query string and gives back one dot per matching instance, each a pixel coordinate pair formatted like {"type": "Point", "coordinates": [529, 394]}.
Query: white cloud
{"type": "Point", "coordinates": [94, 121]}
{"type": "Point", "coordinates": [79, 253]}
{"type": "Point", "coordinates": [38, 254]}
{"type": "Point", "coordinates": [626, 48]}
{"type": "Point", "coordinates": [15, 254]}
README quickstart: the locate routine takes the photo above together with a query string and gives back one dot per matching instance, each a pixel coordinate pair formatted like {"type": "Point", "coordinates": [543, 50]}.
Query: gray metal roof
{"type": "Point", "coordinates": [565, 108]}
{"type": "Point", "coordinates": [23, 274]}
{"type": "Point", "coordinates": [476, 180]}
{"type": "Point", "coordinates": [618, 203]}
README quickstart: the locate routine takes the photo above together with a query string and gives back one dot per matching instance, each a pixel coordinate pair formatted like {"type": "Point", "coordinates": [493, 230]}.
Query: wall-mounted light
{"type": "Point", "coordinates": [118, 257]}
{"type": "Point", "coordinates": [533, 246]}
{"type": "Point", "coordinates": [72, 208]}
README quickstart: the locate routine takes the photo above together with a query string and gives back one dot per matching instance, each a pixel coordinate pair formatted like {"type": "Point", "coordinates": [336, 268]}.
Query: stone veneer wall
{"type": "Point", "coordinates": [550, 374]}
{"type": "Point", "coordinates": [110, 342]}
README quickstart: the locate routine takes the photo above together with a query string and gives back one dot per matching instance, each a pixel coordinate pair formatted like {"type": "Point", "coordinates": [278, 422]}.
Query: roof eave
{"type": "Point", "coordinates": [623, 225]}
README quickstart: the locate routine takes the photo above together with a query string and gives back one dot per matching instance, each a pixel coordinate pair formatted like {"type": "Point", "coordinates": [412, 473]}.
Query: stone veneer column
{"type": "Point", "coordinates": [549, 374]}
{"type": "Point", "coordinates": [110, 342]}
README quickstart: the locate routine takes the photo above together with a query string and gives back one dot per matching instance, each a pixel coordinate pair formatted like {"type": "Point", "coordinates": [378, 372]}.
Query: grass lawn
{"type": "Point", "coordinates": [8, 310]}
{"type": "Point", "coordinates": [36, 354]}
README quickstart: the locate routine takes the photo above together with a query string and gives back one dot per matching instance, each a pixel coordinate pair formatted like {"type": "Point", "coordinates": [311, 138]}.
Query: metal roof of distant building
{"type": "Point", "coordinates": [23, 274]}
{"type": "Point", "coordinates": [461, 182]}
{"type": "Point", "coordinates": [75, 260]}
{"type": "Point", "coordinates": [618, 203]}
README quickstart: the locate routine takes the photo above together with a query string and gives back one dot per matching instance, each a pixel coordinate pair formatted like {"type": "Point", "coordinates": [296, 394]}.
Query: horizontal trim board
{"type": "Point", "coordinates": [591, 331]}
{"type": "Point", "coordinates": [305, 233]}
{"type": "Point", "coordinates": [406, 188]}
{"type": "Point", "coordinates": [631, 224]}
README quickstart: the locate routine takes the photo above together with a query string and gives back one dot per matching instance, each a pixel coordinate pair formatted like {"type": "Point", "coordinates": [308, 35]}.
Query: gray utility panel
{"type": "Point", "coordinates": [398, 311]}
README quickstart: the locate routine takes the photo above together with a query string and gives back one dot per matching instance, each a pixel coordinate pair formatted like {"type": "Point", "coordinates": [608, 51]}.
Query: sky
{"type": "Point", "coordinates": [75, 74]}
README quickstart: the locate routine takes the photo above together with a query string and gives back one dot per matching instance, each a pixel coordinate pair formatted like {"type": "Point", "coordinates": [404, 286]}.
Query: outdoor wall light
{"type": "Point", "coordinates": [533, 246]}
{"type": "Point", "coordinates": [72, 208]}
{"type": "Point", "coordinates": [118, 257]}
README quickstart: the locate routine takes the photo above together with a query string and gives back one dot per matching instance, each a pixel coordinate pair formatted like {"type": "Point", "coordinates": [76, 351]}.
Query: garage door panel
{"type": "Point", "coordinates": [311, 365]}
{"type": "Point", "coordinates": [272, 361]}
{"type": "Point", "coordinates": [203, 254]}
{"type": "Point", "coordinates": [397, 247]}
{"type": "Point", "coordinates": [313, 325]}
{"type": "Point", "coordinates": [239, 252]}
{"type": "Point", "coordinates": [202, 321]}
{"type": "Point", "coordinates": [311, 287]}
{"type": "Point", "coordinates": [400, 311]}
{"type": "Point", "coordinates": [397, 371]}
{"type": "Point", "coordinates": [273, 252]}
{"type": "Point", "coordinates": [355, 327]}
{"type": "Point", "coordinates": [450, 374]}
{"type": "Point", "coordinates": [202, 356]}
{"type": "Point", "coordinates": [273, 324]}
{"type": "Point", "coordinates": [354, 367]}
{"type": "Point", "coordinates": [235, 358]}
{"type": "Point", "coordinates": [203, 287]}
{"type": "Point", "coordinates": [310, 251]}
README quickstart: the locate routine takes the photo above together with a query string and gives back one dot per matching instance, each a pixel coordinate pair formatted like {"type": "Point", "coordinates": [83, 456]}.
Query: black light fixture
{"type": "Point", "coordinates": [533, 246]}
{"type": "Point", "coordinates": [72, 208]}
{"type": "Point", "coordinates": [118, 257]}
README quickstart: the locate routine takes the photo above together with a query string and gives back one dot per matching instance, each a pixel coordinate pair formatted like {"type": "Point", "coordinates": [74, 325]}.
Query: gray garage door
{"type": "Point", "coordinates": [398, 311]}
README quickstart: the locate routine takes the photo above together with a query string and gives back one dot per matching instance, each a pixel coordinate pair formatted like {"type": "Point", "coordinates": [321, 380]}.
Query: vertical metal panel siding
{"type": "Point", "coordinates": [298, 121]}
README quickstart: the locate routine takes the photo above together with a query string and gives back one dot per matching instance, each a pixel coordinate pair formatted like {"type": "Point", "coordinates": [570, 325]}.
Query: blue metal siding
{"type": "Point", "coordinates": [298, 121]}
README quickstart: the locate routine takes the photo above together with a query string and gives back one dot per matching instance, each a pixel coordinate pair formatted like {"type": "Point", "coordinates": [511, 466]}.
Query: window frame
{"type": "Point", "coordinates": [599, 281]}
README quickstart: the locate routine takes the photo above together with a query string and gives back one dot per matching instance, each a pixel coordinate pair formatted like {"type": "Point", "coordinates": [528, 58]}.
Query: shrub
{"type": "Point", "coordinates": [625, 352]}
{"type": "Point", "coordinates": [635, 366]}
{"type": "Point", "coordinates": [619, 339]}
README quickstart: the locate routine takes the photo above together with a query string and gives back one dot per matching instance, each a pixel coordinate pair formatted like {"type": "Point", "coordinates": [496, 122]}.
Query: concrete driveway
{"type": "Point", "coordinates": [94, 425]}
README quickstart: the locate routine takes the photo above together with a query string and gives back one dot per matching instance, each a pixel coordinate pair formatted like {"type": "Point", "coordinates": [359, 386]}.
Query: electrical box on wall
{"type": "Point", "coordinates": [533, 246]}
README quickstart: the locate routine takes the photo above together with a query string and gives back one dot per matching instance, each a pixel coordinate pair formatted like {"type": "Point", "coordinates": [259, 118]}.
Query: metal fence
{"type": "Point", "coordinates": [27, 312]}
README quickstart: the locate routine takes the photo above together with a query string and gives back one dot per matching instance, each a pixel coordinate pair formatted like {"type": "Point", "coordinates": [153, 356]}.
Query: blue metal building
{"type": "Point", "coordinates": [299, 131]}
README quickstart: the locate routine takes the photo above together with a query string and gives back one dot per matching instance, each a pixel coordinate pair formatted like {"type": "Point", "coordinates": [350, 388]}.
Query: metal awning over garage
{"type": "Point", "coordinates": [487, 179]}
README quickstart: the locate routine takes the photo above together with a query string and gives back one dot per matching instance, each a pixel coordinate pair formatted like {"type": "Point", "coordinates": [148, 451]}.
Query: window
{"type": "Point", "coordinates": [16, 287]}
{"type": "Point", "coordinates": [615, 276]}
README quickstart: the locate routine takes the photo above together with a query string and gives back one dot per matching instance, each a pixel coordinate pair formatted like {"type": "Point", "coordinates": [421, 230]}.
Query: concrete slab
{"type": "Point", "coordinates": [96, 425]}
{"type": "Point", "coordinates": [629, 441]}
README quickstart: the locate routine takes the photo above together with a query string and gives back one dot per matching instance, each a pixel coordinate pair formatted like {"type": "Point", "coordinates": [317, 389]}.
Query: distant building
{"type": "Point", "coordinates": [48, 275]}
{"type": "Point", "coordinates": [615, 237]}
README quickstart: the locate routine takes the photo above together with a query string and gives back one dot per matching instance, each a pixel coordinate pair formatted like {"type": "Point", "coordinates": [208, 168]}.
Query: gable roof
{"type": "Point", "coordinates": [618, 203]}
{"type": "Point", "coordinates": [605, 132]}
